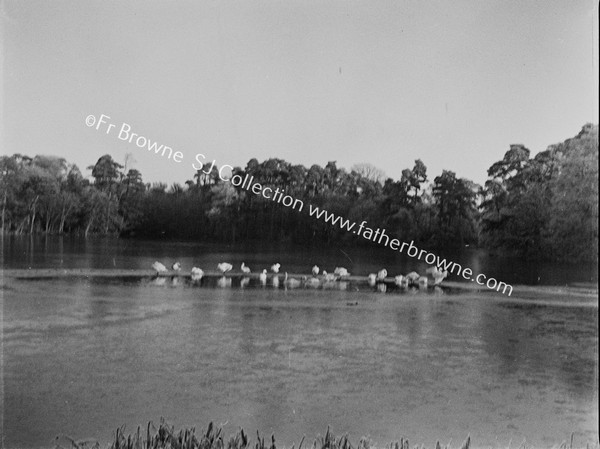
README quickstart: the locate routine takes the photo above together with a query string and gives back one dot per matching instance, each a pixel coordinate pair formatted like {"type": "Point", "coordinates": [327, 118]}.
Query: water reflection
{"type": "Point", "coordinates": [289, 361]}
{"type": "Point", "coordinates": [107, 252]}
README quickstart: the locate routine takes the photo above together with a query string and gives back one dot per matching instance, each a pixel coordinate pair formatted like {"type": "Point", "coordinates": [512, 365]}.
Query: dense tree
{"type": "Point", "coordinates": [541, 206]}
{"type": "Point", "coordinates": [546, 206]}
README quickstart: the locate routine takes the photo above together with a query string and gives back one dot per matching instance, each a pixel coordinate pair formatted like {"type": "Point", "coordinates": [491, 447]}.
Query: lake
{"type": "Point", "coordinates": [85, 356]}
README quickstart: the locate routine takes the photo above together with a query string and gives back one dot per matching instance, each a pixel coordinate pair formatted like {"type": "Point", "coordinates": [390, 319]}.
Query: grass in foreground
{"type": "Point", "coordinates": [166, 437]}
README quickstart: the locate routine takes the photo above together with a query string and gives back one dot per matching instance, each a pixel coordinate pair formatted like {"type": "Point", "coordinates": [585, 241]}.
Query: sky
{"type": "Point", "coordinates": [384, 82]}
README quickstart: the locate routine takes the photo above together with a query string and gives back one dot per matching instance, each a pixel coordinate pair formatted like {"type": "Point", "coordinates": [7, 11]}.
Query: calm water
{"type": "Point", "coordinates": [83, 357]}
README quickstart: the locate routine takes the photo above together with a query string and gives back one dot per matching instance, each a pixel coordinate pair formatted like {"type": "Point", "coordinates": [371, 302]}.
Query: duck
{"type": "Point", "coordinates": [275, 267]}
{"type": "Point", "coordinates": [382, 274]}
{"type": "Point", "coordinates": [315, 270]}
{"type": "Point", "coordinates": [341, 271]}
{"type": "Point", "coordinates": [197, 273]}
{"type": "Point", "coordinates": [176, 266]}
{"type": "Point", "coordinates": [262, 277]}
{"type": "Point", "coordinates": [159, 267]}
{"type": "Point", "coordinates": [244, 268]}
{"type": "Point", "coordinates": [224, 267]}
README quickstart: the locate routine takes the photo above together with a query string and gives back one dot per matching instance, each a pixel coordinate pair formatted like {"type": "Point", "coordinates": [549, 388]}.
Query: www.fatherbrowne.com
{"type": "Point", "coordinates": [279, 196]}
{"type": "Point", "coordinates": [381, 237]}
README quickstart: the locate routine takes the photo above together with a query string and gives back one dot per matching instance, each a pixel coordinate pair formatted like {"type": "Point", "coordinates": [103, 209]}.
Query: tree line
{"type": "Point", "coordinates": [540, 207]}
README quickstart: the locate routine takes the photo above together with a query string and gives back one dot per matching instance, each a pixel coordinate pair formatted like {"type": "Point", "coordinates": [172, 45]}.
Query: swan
{"type": "Point", "coordinates": [382, 274]}
{"type": "Point", "coordinates": [313, 282]}
{"type": "Point", "coordinates": [291, 282]}
{"type": "Point", "coordinates": [197, 273]}
{"type": "Point", "coordinates": [275, 268]}
{"type": "Point", "coordinates": [413, 277]}
{"type": "Point", "coordinates": [224, 267]}
{"type": "Point", "coordinates": [329, 277]}
{"type": "Point", "coordinates": [262, 277]}
{"type": "Point", "coordinates": [401, 281]}
{"type": "Point", "coordinates": [439, 276]}
{"type": "Point", "coordinates": [315, 270]}
{"type": "Point", "coordinates": [176, 266]}
{"type": "Point", "coordinates": [341, 271]}
{"type": "Point", "coordinates": [372, 278]}
{"type": "Point", "coordinates": [245, 269]}
{"type": "Point", "coordinates": [159, 267]}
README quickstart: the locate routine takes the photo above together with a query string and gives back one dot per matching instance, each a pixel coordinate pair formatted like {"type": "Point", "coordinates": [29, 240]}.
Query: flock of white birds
{"type": "Point", "coordinates": [411, 279]}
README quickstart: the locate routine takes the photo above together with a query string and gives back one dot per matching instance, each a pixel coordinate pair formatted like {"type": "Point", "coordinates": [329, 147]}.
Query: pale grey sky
{"type": "Point", "coordinates": [385, 82]}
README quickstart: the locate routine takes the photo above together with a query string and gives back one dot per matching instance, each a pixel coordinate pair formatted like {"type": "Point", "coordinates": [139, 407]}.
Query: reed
{"type": "Point", "coordinates": [166, 437]}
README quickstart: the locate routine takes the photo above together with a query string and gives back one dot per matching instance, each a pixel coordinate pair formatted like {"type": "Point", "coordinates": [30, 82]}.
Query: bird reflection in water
{"type": "Point", "coordinates": [224, 282]}
{"type": "Point", "coordinates": [244, 282]}
{"type": "Point", "coordinates": [160, 281]}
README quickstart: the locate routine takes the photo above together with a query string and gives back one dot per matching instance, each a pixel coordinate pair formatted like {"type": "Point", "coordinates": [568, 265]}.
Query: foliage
{"type": "Point", "coordinates": [545, 206]}
{"type": "Point", "coordinates": [165, 436]}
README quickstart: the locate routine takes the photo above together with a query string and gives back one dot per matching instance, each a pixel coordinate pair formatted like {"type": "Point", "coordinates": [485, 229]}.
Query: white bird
{"type": "Point", "coordinates": [291, 282]}
{"type": "Point", "coordinates": [431, 270]}
{"type": "Point", "coordinates": [341, 271]}
{"type": "Point", "coordinates": [262, 277]}
{"type": "Point", "coordinates": [224, 267]}
{"type": "Point", "coordinates": [382, 274]}
{"type": "Point", "coordinates": [159, 267]}
{"type": "Point", "coordinates": [197, 273]}
{"type": "Point", "coordinates": [329, 277]}
{"type": "Point", "coordinates": [313, 282]}
{"type": "Point", "coordinates": [423, 281]}
{"type": "Point", "coordinates": [275, 268]}
{"type": "Point", "coordinates": [413, 277]}
{"type": "Point", "coordinates": [439, 276]}
{"type": "Point", "coordinates": [176, 266]}
{"type": "Point", "coordinates": [401, 281]}
{"type": "Point", "coordinates": [245, 269]}
{"type": "Point", "coordinates": [372, 278]}
{"type": "Point", "coordinates": [315, 270]}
